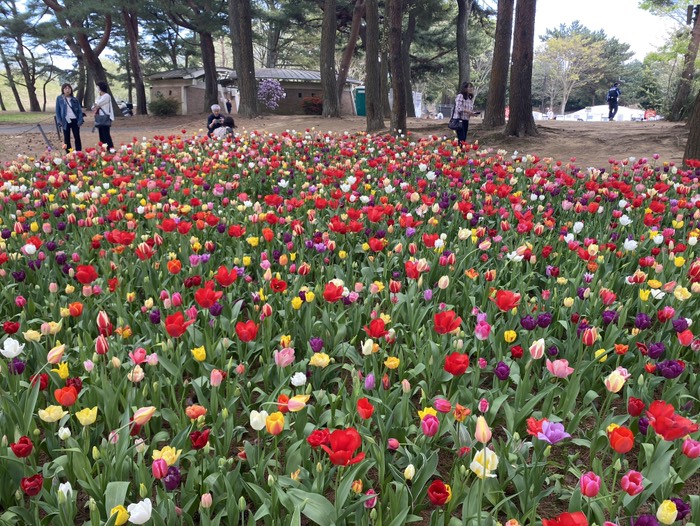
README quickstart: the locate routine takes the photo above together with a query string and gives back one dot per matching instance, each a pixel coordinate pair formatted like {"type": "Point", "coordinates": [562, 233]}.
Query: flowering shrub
{"type": "Point", "coordinates": [270, 93]}
{"type": "Point", "coordinates": [312, 105]}
{"type": "Point", "coordinates": [357, 329]}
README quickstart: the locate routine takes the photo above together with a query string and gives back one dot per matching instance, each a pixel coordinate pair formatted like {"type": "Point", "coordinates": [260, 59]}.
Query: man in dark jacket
{"type": "Point", "coordinates": [613, 94]}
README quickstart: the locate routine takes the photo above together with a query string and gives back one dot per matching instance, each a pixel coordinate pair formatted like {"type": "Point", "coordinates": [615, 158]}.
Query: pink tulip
{"type": "Point", "coordinates": [216, 377]}
{"type": "Point", "coordinates": [392, 444]}
{"type": "Point", "coordinates": [482, 331]}
{"type": "Point", "coordinates": [284, 357]}
{"type": "Point", "coordinates": [691, 448]}
{"type": "Point", "coordinates": [159, 468]}
{"type": "Point", "coordinates": [537, 349]}
{"type": "Point", "coordinates": [430, 425]}
{"type": "Point", "coordinates": [559, 368]}
{"type": "Point", "coordinates": [589, 484]}
{"type": "Point", "coordinates": [176, 299]}
{"type": "Point", "coordinates": [138, 355]}
{"type": "Point", "coordinates": [632, 483]}
{"type": "Point", "coordinates": [371, 502]}
{"type": "Point", "coordinates": [442, 405]}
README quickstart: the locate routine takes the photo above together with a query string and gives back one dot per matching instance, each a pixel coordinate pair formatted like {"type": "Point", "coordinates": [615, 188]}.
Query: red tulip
{"type": "Point", "coordinates": [199, 439]}
{"type": "Point", "coordinates": [364, 408]}
{"type": "Point", "coordinates": [85, 274]}
{"type": "Point", "coordinates": [207, 296]}
{"type": "Point", "coordinates": [635, 406]}
{"type": "Point", "coordinates": [32, 485]}
{"type": "Point", "coordinates": [446, 322]}
{"type": "Point", "coordinates": [343, 444]}
{"type": "Point", "coordinates": [456, 363]}
{"type": "Point", "coordinates": [246, 331]}
{"type": "Point", "coordinates": [621, 439]}
{"type": "Point", "coordinates": [175, 324]}
{"type": "Point", "coordinates": [506, 300]}
{"type": "Point", "coordinates": [319, 437]}
{"type": "Point", "coordinates": [576, 518]}
{"type": "Point", "coordinates": [101, 345]}
{"type": "Point", "coordinates": [23, 447]}
{"type": "Point", "coordinates": [10, 327]}
{"type": "Point", "coordinates": [333, 293]}
{"type": "Point", "coordinates": [438, 493]}
{"type": "Point", "coordinates": [66, 396]}
{"type": "Point", "coordinates": [376, 328]}
{"type": "Point", "coordinates": [664, 420]}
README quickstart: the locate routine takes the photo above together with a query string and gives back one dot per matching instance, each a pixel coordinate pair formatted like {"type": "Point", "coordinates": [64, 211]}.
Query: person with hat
{"type": "Point", "coordinates": [215, 120]}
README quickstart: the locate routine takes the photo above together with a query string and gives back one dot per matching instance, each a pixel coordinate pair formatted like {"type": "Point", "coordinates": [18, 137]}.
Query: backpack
{"type": "Point", "coordinates": [612, 94]}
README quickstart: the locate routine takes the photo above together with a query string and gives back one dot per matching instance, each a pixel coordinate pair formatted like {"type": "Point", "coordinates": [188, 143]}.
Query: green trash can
{"type": "Point", "coordinates": [360, 101]}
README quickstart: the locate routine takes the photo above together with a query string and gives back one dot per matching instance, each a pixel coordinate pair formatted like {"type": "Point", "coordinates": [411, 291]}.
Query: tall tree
{"type": "Point", "coordinates": [521, 122]}
{"type": "Point", "coordinates": [688, 74]}
{"type": "Point", "coordinates": [373, 82]}
{"type": "Point", "coordinates": [357, 13]}
{"type": "Point", "coordinates": [692, 147]}
{"type": "Point", "coordinates": [9, 75]}
{"type": "Point", "coordinates": [464, 10]}
{"type": "Point", "coordinates": [204, 18]}
{"type": "Point", "coordinates": [131, 25]}
{"type": "Point", "coordinates": [81, 21]}
{"type": "Point", "coordinates": [406, 41]}
{"type": "Point", "coordinates": [682, 11]}
{"type": "Point", "coordinates": [398, 109]}
{"type": "Point", "coordinates": [240, 22]}
{"type": "Point", "coordinates": [495, 114]}
{"type": "Point", "coordinates": [329, 84]}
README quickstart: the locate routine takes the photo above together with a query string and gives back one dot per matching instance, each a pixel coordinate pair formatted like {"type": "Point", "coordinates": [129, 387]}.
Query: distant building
{"type": "Point", "coordinates": [187, 86]}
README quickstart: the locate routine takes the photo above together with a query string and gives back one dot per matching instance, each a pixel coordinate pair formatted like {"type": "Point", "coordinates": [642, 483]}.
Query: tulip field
{"type": "Point", "coordinates": [327, 329]}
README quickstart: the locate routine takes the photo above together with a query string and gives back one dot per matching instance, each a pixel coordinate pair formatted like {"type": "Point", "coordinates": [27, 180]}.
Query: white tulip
{"type": "Point", "coordinates": [257, 419]}
{"type": "Point", "coordinates": [140, 513]}
{"type": "Point", "coordinates": [11, 348]}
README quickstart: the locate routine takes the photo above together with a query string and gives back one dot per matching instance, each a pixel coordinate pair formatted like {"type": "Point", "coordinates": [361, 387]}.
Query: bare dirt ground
{"type": "Point", "coordinates": [590, 143]}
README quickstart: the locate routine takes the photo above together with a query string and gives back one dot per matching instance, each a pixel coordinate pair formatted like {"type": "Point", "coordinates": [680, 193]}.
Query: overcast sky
{"type": "Point", "coordinates": [621, 19]}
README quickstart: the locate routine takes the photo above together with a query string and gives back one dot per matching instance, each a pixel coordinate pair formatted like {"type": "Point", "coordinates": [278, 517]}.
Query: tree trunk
{"type": "Point", "coordinates": [89, 89]}
{"type": "Point", "coordinates": [398, 109]}
{"type": "Point", "coordinates": [373, 81]}
{"type": "Point", "coordinates": [241, 28]}
{"type": "Point", "coordinates": [357, 13]}
{"type": "Point", "coordinates": [2, 103]}
{"type": "Point", "coordinates": [328, 80]}
{"type": "Point", "coordinates": [28, 75]}
{"type": "Point", "coordinates": [132, 35]}
{"type": "Point", "coordinates": [406, 58]}
{"type": "Point", "coordinates": [211, 81]}
{"type": "Point", "coordinates": [692, 147]}
{"type": "Point", "coordinates": [273, 39]}
{"type": "Point", "coordinates": [10, 80]}
{"type": "Point", "coordinates": [686, 82]}
{"type": "Point", "coordinates": [521, 122]}
{"type": "Point", "coordinates": [384, 77]}
{"type": "Point", "coordinates": [495, 114]}
{"type": "Point", "coordinates": [464, 9]}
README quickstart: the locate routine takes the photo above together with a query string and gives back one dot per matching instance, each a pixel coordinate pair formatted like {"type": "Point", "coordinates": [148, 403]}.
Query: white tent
{"type": "Point", "coordinates": [600, 114]}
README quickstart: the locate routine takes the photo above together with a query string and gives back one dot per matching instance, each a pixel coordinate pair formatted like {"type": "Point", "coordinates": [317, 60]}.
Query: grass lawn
{"type": "Point", "coordinates": [27, 117]}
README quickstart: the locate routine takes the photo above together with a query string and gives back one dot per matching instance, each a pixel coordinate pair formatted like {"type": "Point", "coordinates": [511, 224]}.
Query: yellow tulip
{"type": "Point", "coordinates": [52, 413]}
{"type": "Point", "coordinates": [87, 416]}
{"type": "Point", "coordinates": [199, 353]}
{"type": "Point", "coordinates": [274, 423]}
{"type": "Point", "coordinates": [122, 515]}
{"type": "Point", "coordinates": [167, 453]}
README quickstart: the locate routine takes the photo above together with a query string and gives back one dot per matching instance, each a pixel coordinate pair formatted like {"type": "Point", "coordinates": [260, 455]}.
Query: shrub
{"type": "Point", "coordinates": [312, 105]}
{"type": "Point", "coordinates": [270, 93]}
{"type": "Point", "coordinates": [163, 106]}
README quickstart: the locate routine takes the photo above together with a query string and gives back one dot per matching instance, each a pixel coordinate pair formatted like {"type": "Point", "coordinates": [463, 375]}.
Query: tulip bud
{"type": "Point", "coordinates": [206, 501]}
{"type": "Point", "coordinates": [409, 472]}
{"type": "Point", "coordinates": [95, 453]}
{"type": "Point", "coordinates": [270, 480]}
{"type": "Point", "coordinates": [241, 503]}
{"type": "Point", "coordinates": [143, 491]}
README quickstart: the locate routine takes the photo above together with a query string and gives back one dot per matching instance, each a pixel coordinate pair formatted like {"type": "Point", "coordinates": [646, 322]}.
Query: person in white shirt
{"type": "Point", "coordinates": [69, 116]}
{"type": "Point", "coordinates": [103, 105]}
{"type": "Point", "coordinates": [464, 109]}
{"type": "Point", "coordinates": [224, 131]}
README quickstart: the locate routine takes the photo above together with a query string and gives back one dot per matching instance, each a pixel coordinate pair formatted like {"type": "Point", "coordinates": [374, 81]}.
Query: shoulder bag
{"type": "Point", "coordinates": [102, 119]}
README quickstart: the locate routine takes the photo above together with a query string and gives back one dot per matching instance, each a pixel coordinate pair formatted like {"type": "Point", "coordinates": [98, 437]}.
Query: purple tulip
{"type": "Point", "coordinates": [502, 371]}
{"type": "Point", "coordinates": [669, 369]}
{"type": "Point", "coordinates": [553, 432]}
{"type": "Point", "coordinates": [172, 479]}
{"type": "Point", "coordinates": [610, 316]}
{"type": "Point", "coordinates": [642, 321]}
{"type": "Point", "coordinates": [154, 316]}
{"type": "Point", "coordinates": [680, 324]}
{"type": "Point", "coordinates": [643, 425]}
{"type": "Point", "coordinates": [528, 323]}
{"type": "Point", "coordinates": [656, 350]}
{"type": "Point", "coordinates": [370, 381]}
{"type": "Point", "coordinates": [645, 520]}
{"type": "Point", "coordinates": [16, 366]}
{"type": "Point", "coordinates": [316, 344]}
{"type": "Point", "coordinates": [216, 309]}
{"type": "Point", "coordinates": [544, 320]}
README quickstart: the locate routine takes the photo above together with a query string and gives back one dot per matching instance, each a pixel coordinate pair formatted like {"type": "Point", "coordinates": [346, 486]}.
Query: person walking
{"type": "Point", "coordinates": [103, 106]}
{"type": "Point", "coordinates": [464, 109]}
{"type": "Point", "coordinates": [69, 116]}
{"type": "Point", "coordinates": [229, 104]}
{"type": "Point", "coordinates": [613, 94]}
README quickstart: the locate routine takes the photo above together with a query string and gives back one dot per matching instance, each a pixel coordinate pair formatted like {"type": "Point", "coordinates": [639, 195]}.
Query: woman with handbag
{"type": "Point", "coordinates": [104, 114]}
{"type": "Point", "coordinates": [69, 116]}
{"type": "Point", "coordinates": [463, 110]}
